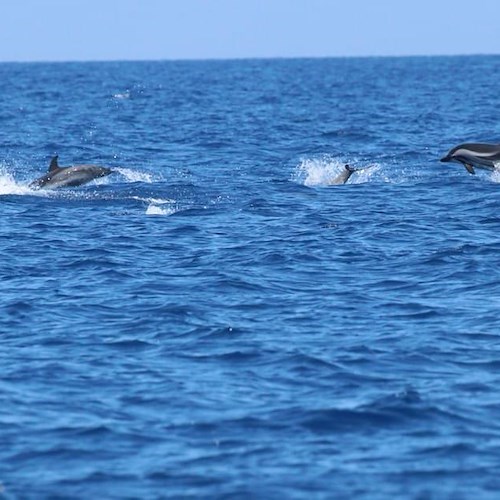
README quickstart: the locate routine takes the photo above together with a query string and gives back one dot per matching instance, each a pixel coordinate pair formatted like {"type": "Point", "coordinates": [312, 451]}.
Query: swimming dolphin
{"type": "Point", "coordinates": [484, 156]}
{"type": "Point", "coordinates": [343, 177]}
{"type": "Point", "coordinates": [76, 175]}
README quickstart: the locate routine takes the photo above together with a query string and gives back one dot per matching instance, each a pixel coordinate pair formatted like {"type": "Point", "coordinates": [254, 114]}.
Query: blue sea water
{"type": "Point", "coordinates": [214, 320]}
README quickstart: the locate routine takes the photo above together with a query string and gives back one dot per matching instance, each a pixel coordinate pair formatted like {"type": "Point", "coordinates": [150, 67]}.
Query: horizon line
{"type": "Point", "coordinates": [243, 58]}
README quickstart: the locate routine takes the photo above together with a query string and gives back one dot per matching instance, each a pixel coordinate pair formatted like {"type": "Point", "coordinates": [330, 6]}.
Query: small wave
{"type": "Point", "coordinates": [321, 172]}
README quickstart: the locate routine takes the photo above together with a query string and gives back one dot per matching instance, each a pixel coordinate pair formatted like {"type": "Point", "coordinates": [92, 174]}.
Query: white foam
{"type": "Point", "coordinates": [159, 210]}
{"type": "Point", "coordinates": [316, 171]}
{"type": "Point", "coordinates": [156, 206]}
{"type": "Point", "coordinates": [495, 175]}
{"type": "Point", "coordinates": [154, 201]}
{"type": "Point", "coordinates": [8, 185]}
{"type": "Point", "coordinates": [365, 174]}
{"type": "Point", "coordinates": [122, 95]}
{"type": "Point", "coordinates": [135, 175]}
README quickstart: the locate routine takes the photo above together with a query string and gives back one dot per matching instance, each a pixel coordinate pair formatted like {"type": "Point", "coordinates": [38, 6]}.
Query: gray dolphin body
{"type": "Point", "coordinates": [485, 156]}
{"type": "Point", "coordinates": [58, 177]}
{"type": "Point", "coordinates": [343, 177]}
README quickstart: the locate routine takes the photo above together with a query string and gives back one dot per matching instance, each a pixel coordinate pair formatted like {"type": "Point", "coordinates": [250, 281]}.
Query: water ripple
{"type": "Point", "coordinates": [216, 320]}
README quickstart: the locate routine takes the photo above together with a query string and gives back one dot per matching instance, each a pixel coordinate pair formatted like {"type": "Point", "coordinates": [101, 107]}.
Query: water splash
{"type": "Point", "coordinates": [365, 174]}
{"type": "Point", "coordinates": [132, 175]}
{"type": "Point", "coordinates": [495, 175]}
{"type": "Point", "coordinates": [159, 210]}
{"type": "Point", "coordinates": [322, 171]}
{"type": "Point", "coordinates": [122, 95]}
{"type": "Point", "coordinates": [159, 206]}
{"type": "Point", "coordinates": [8, 185]}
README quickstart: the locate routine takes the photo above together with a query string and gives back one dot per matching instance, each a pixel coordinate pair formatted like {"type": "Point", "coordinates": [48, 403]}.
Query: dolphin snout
{"type": "Point", "coordinates": [445, 159]}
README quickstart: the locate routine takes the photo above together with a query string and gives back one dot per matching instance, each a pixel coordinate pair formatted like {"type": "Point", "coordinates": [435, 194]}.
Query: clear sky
{"type": "Point", "coordinates": [69, 30]}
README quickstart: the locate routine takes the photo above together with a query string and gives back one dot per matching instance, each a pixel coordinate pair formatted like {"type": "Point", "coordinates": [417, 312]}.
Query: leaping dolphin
{"type": "Point", "coordinates": [485, 156]}
{"type": "Point", "coordinates": [344, 176]}
{"type": "Point", "coordinates": [76, 175]}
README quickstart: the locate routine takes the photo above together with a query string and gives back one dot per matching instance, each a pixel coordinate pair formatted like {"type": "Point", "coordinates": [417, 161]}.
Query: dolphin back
{"type": "Point", "coordinates": [73, 176]}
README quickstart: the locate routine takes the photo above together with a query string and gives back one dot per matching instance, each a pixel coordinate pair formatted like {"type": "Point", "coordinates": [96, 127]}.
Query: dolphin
{"type": "Point", "coordinates": [484, 156]}
{"type": "Point", "coordinates": [75, 175]}
{"type": "Point", "coordinates": [344, 176]}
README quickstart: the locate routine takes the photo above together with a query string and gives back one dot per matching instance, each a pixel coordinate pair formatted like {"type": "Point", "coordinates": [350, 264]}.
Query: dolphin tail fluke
{"type": "Point", "coordinates": [54, 164]}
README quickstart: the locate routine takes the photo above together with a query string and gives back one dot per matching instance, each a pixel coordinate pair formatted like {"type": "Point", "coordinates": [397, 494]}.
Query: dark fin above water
{"type": "Point", "coordinates": [348, 172]}
{"type": "Point", "coordinates": [469, 168]}
{"type": "Point", "coordinates": [53, 164]}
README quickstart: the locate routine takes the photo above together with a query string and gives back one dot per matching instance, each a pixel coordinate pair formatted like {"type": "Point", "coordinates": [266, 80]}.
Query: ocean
{"type": "Point", "coordinates": [214, 319]}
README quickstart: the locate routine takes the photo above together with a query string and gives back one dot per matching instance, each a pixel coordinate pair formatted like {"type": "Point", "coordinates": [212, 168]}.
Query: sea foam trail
{"type": "Point", "coordinates": [495, 175]}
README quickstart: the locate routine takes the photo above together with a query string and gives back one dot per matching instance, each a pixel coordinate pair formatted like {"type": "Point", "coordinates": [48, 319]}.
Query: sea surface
{"type": "Point", "coordinates": [214, 319]}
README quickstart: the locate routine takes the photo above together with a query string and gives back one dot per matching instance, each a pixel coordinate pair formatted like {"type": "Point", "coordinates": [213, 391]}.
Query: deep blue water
{"type": "Point", "coordinates": [214, 320]}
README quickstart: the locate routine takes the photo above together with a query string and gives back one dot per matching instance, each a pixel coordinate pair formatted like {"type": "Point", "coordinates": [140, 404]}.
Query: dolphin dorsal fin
{"type": "Point", "coordinates": [53, 164]}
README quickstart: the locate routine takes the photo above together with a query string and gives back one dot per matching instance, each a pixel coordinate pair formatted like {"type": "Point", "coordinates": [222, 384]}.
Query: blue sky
{"type": "Point", "coordinates": [68, 30]}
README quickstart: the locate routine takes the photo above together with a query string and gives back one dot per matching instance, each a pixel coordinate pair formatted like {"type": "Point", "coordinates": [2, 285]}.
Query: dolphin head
{"type": "Point", "coordinates": [458, 154]}
{"type": "Point", "coordinates": [463, 154]}
{"type": "Point", "coordinates": [451, 155]}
